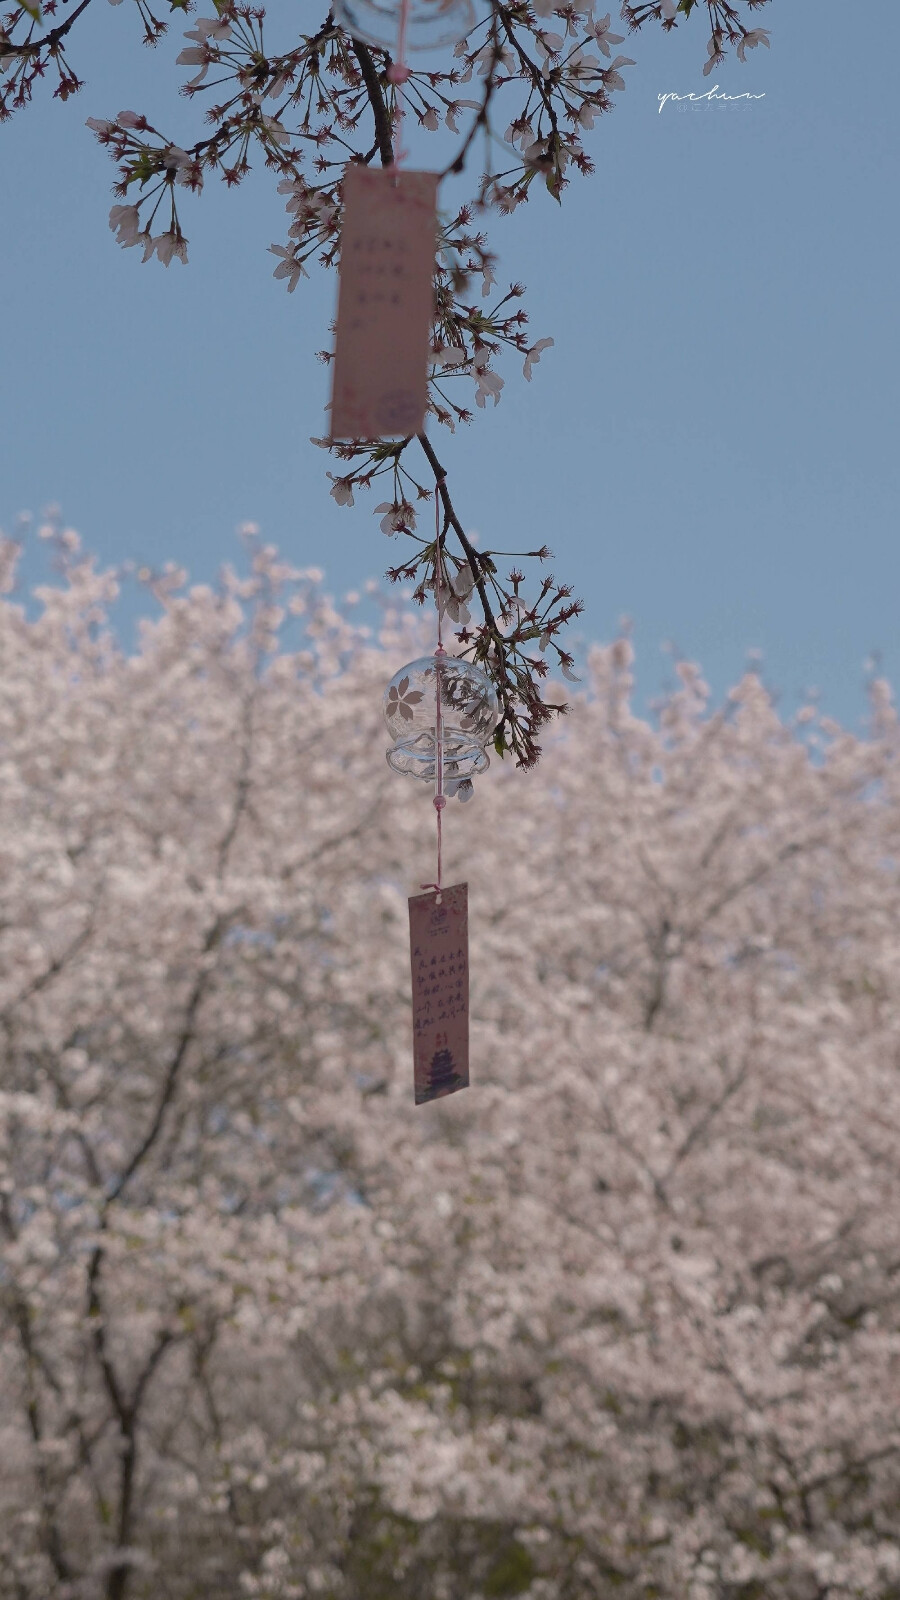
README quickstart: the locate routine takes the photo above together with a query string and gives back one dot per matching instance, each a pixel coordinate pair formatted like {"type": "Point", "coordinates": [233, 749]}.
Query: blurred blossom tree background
{"type": "Point", "coordinates": [623, 1320]}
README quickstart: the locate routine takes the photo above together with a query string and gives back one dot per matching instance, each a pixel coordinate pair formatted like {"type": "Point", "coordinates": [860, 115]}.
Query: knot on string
{"type": "Point", "coordinates": [398, 73]}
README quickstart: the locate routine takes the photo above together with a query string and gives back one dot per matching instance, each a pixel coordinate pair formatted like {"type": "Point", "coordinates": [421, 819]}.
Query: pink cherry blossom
{"type": "Point", "coordinates": [750, 40]}
{"type": "Point", "coordinates": [534, 355]}
{"type": "Point", "coordinates": [170, 246]}
{"type": "Point", "coordinates": [488, 384]}
{"type": "Point", "coordinates": [600, 31]}
{"type": "Point", "coordinates": [124, 221]}
{"type": "Point", "coordinates": [341, 490]}
{"type": "Point", "coordinates": [288, 266]}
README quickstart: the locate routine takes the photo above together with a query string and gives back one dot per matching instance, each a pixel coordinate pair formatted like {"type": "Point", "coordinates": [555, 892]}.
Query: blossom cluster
{"type": "Point", "coordinates": [532, 77]}
{"type": "Point", "coordinates": [725, 24]}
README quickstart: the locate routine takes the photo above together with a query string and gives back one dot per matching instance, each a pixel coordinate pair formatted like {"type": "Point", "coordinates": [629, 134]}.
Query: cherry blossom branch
{"type": "Point", "coordinates": [31, 1358]}
{"type": "Point", "coordinates": [185, 1039]}
{"type": "Point", "coordinates": [383, 131]}
{"type": "Point", "coordinates": [440, 480]}
{"type": "Point", "coordinates": [530, 67]}
{"type": "Point", "coordinates": [23, 64]}
{"type": "Point", "coordinates": [481, 119]}
{"type": "Point", "coordinates": [724, 23]}
{"type": "Point", "coordinates": [51, 971]}
{"type": "Point", "coordinates": [702, 1125]}
{"type": "Point", "coordinates": [522, 709]}
{"type": "Point", "coordinates": [302, 108]}
{"type": "Point", "coordinates": [126, 1410]}
{"type": "Point", "coordinates": [50, 40]}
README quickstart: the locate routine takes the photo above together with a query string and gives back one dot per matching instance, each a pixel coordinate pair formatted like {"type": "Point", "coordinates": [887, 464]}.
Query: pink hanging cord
{"type": "Point", "coordinates": [398, 73]}
{"type": "Point", "coordinates": [440, 799]}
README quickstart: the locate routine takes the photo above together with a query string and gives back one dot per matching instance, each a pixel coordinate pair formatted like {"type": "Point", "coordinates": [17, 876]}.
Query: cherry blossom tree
{"type": "Point", "coordinates": [525, 86]}
{"type": "Point", "coordinates": [624, 1319]}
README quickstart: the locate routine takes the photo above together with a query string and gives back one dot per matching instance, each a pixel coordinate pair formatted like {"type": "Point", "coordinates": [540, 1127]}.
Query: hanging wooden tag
{"type": "Point", "coordinates": [385, 303]}
{"type": "Point", "coordinates": [439, 949]}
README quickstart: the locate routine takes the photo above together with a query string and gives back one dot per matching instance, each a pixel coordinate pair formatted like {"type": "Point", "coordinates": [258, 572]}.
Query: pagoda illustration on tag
{"type": "Point", "coordinates": [443, 1077]}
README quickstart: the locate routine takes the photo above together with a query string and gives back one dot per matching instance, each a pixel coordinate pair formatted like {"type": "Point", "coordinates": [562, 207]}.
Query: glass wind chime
{"type": "Point", "coordinates": [419, 25]}
{"type": "Point", "coordinates": [441, 711]}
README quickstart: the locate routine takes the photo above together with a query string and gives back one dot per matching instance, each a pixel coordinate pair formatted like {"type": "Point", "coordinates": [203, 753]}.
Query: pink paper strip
{"type": "Point", "coordinates": [385, 303]}
{"type": "Point", "coordinates": [439, 950]}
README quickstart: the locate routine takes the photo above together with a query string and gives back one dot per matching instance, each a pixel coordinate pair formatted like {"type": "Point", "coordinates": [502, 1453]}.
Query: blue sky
{"type": "Point", "coordinates": [709, 448]}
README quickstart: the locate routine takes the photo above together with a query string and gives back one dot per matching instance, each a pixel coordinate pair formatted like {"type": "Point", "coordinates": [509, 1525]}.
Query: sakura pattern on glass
{"type": "Point", "coordinates": [469, 714]}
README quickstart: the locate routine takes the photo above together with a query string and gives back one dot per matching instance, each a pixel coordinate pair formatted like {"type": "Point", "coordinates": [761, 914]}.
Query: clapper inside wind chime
{"type": "Point", "coordinates": [440, 710]}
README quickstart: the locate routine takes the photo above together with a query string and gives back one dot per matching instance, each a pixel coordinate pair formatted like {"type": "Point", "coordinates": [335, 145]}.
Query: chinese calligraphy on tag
{"type": "Point", "coordinates": [385, 303]}
{"type": "Point", "coordinates": [439, 950]}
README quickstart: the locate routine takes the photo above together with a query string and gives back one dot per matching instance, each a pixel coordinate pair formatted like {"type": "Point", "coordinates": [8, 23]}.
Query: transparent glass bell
{"type": "Point", "coordinates": [430, 23]}
{"type": "Point", "coordinates": [469, 710]}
